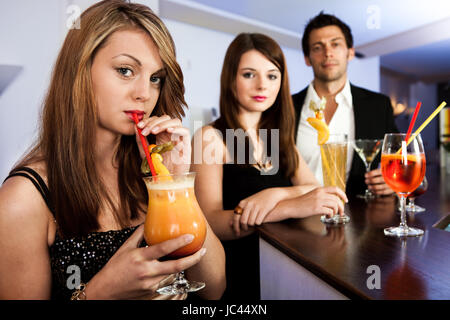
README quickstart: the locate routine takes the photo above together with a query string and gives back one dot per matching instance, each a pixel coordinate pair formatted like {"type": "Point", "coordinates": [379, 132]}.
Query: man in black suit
{"type": "Point", "coordinates": [361, 114]}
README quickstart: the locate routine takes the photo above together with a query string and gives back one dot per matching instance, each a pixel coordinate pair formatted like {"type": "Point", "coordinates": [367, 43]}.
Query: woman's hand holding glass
{"type": "Point", "coordinates": [322, 201]}
{"type": "Point", "coordinates": [135, 273]}
{"type": "Point", "coordinates": [166, 129]}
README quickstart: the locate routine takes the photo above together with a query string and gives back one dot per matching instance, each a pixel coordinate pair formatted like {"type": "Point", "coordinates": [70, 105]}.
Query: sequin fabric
{"type": "Point", "coordinates": [86, 255]}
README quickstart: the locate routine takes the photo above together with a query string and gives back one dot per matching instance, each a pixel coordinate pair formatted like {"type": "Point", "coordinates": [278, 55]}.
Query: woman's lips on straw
{"type": "Point", "coordinates": [139, 113]}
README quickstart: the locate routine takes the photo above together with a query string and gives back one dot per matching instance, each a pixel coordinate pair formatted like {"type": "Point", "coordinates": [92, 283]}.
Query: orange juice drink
{"type": "Point", "coordinates": [173, 210]}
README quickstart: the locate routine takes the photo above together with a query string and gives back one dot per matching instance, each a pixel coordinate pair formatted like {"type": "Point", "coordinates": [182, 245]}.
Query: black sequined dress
{"type": "Point", "coordinates": [85, 255]}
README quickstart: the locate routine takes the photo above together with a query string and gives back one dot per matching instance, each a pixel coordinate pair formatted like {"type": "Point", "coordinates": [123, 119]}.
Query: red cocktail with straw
{"type": "Point", "coordinates": [403, 166]}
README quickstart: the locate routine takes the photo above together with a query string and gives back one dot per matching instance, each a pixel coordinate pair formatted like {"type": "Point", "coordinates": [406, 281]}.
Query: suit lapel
{"type": "Point", "coordinates": [358, 101]}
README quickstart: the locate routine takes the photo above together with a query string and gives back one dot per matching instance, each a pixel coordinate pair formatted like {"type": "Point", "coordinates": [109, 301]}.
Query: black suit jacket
{"type": "Point", "coordinates": [373, 118]}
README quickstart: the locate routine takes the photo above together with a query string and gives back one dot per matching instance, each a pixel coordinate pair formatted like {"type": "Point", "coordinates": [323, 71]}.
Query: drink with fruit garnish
{"type": "Point", "coordinates": [172, 211]}
{"type": "Point", "coordinates": [334, 163]}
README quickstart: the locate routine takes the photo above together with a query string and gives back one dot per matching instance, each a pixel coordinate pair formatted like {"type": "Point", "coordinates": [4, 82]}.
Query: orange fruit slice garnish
{"type": "Point", "coordinates": [323, 133]}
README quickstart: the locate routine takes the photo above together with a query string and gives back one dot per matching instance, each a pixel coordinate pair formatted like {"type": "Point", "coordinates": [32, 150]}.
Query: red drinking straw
{"type": "Point", "coordinates": [144, 145]}
{"type": "Point", "coordinates": [413, 120]}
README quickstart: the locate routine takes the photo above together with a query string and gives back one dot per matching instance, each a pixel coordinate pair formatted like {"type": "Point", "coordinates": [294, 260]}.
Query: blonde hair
{"type": "Point", "coordinates": [66, 141]}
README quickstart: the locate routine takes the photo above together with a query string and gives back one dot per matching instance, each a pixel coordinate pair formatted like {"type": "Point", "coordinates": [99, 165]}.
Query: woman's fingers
{"type": "Point", "coordinates": [156, 125]}
{"type": "Point", "coordinates": [337, 191]}
{"type": "Point", "coordinates": [327, 211]}
{"type": "Point", "coordinates": [331, 204]}
{"type": "Point", "coordinates": [253, 215]}
{"type": "Point", "coordinates": [134, 240]}
{"type": "Point", "coordinates": [164, 248]}
{"type": "Point", "coordinates": [174, 266]}
{"type": "Point", "coordinates": [331, 199]}
{"type": "Point", "coordinates": [236, 224]}
{"type": "Point", "coordinates": [260, 218]}
{"type": "Point", "coordinates": [247, 210]}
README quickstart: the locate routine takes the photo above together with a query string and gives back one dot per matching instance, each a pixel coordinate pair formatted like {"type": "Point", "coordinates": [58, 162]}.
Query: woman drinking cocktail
{"type": "Point", "coordinates": [72, 210]}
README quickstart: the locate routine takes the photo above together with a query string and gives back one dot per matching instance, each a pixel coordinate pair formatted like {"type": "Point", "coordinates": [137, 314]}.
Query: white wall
{"type": "Point", "coordinates": [365, 73]}
{"type": "Point", "coordinates": [31, 33]}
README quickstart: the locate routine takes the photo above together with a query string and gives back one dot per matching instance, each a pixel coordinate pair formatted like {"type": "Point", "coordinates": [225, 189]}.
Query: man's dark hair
{"type": "Point", "coordinates": [324, 20]}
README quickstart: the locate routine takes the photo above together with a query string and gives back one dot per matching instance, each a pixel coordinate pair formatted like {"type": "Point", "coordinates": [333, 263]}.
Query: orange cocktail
{"type": "Point", "coordinates": [403, 174]}
{"type": "Point", "coordinates": [403, 167]}
{"type": "Point", "coordinates": [173, 210]}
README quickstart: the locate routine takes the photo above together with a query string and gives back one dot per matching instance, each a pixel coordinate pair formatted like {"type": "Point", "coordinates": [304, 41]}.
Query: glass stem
{"type": "Point", "coordinates": [368, 192]}
{"type": "Point", "coordinates": [403, 211]}
{"type": "Point", "coordinates": [180, 279]}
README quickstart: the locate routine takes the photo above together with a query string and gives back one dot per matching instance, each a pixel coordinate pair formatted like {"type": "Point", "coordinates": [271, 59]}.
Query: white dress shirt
{"type": "Point", "coordinates": [343, 121]}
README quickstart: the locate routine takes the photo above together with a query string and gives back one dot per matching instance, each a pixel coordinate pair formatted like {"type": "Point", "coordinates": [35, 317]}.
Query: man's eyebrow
{"type": "Point", "coordinates": [334, 39]}
{"type": "Point", "coordinates": [129, 56]}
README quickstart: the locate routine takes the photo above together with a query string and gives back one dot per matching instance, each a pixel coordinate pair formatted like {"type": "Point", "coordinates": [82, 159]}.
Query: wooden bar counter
{"type": "Point", "coordinates": [305, 259]}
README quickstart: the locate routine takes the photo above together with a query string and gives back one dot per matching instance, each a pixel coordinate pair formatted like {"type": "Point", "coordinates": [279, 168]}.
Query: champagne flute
{"type": "Point", "coordinates": [403, 167]}
{"type": "Point", "coordinates": [412, 207]}
{"type": "Point", "coordinates": [172, 211]}
{"type": "Point", "coordinates": [367, 150]}
{"type": "Point", "coordinates": [334, 163]}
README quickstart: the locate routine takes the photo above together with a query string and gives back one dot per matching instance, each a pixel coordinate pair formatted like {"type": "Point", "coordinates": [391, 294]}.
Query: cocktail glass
{"type": "Point", "coordinates": [367, 150]}
{"type": "Point", "coordinates": [403, 167]}
{"type": "Point", "coordinates": [173, 210]}
{"type": "Point", "coordinates": [334, 163]}
{"type": "Point", "coordinates": [411, 206]}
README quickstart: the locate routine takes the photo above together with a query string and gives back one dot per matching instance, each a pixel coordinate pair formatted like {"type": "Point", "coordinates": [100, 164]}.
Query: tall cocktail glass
{"type": "Point", "coordinates": [367, 150]}
{"type": "Point", "coordinates": [403, 167]}
{"type": "Point", "coordinates": [173, 210]}
{"type": "Point", "coordinates": [334, 164]}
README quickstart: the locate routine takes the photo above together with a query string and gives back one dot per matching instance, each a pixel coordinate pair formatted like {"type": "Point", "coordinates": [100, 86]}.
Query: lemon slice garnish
{"type": "Point", "coordinates": [323, 133]}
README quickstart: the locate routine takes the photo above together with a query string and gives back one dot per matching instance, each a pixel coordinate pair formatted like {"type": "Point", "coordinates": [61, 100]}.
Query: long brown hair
{"type": "Point", "coordinates": [280, 115]}
{"type": "Point", "coordinates": [66, 142]}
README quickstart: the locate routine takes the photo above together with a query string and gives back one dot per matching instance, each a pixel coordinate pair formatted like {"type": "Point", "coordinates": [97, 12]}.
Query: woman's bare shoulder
{"type": "Point", "coordinates": [20, 200]}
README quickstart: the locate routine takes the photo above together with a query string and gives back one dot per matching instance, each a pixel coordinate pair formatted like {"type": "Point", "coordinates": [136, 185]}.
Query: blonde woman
{"type": "Point", "coordinates": [77, 198]}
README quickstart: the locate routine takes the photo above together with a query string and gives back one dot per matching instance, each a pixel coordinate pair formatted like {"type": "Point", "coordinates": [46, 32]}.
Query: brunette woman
{"type": "Point", "coordinates": [273, 182]}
